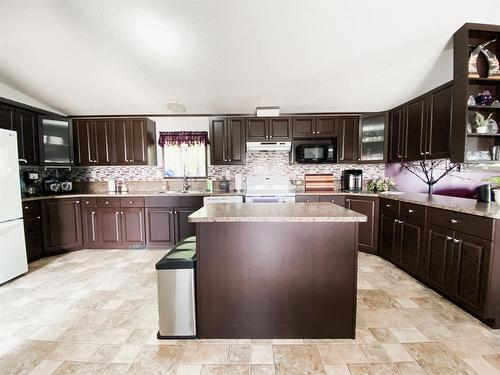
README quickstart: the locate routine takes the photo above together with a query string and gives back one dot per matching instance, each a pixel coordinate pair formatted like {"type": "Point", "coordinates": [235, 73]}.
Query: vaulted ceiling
{"type": "Point", "coordinates": [87, 57]}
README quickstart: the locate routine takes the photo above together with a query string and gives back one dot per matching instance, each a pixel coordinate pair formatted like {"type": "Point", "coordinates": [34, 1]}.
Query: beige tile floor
{"type": "Point", "coordinates": [94, 312]}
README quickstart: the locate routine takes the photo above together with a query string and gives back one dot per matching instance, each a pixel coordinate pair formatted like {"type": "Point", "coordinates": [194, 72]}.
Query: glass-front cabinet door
{"type": "Point", "coordinates": [372, 137]}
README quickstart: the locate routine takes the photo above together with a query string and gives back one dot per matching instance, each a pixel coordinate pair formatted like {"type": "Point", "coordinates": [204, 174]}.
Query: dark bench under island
{"type": "Point", "coordinates": [285, 270]}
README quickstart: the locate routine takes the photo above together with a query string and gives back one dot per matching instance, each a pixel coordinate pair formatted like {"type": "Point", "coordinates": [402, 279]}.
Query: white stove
{"type": "Point", "coordinates": [268, 189]}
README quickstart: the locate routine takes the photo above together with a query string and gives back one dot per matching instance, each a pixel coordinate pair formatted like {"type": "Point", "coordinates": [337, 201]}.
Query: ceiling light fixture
{"type": "Point", "coordinates": [176, 107]}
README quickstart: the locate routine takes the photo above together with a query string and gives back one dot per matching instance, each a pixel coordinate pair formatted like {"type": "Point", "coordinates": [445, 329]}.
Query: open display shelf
{"type": "Point", "coordinates": [474, 147]}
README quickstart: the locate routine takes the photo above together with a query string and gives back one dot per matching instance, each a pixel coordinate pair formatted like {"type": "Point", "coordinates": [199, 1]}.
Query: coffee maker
{"type": "Point", "coordinates": [32, 182]}
{"type": "Point", "coordinates": [352, 180]}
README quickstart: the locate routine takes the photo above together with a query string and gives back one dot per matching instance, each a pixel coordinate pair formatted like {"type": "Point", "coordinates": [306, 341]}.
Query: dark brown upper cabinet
{"type": "Point", "coordinates": [397, 135]}
{"type": "Point", "coordinates": [415, 129]}
{"type": "Point", "coordinates": [6, 117]}
{"type": "Point", "coordinates": [84, 142]}
{"type": "Point", "coordinates": [257, 129]}
{"type": "Point", "coordinates": [372, 137]}
{"type": "Point", "coordinates": [280, 128]}
{"type": "Point", "coordinates": [439, 123]}
{"type": "Point", "coordinates": [120, 141]}
{"type": "Point", "coordinates": [94, 142]}
{"type": "Point", "coordinates": [307, 127]}
{"type": "Point", "coordinates": [421, 129]}
{"type": "Point", "coordinates": [269, 129]}
{"type": "Point", "coordinates": [347, 141]}
{"type": "Point", "coordinates": [28, 141]}
{"type": "Point", "coordinates": [227, 140]}
{"type": "Point", "coordinates": [25, 123]}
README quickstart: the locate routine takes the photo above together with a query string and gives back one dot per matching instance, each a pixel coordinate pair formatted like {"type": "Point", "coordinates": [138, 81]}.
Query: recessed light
{"type": "Point", "coordinates": [176, 107]}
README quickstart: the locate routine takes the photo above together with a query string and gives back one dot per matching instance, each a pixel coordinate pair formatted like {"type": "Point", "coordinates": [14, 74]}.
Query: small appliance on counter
{"type": "Point", "coordinates": [51, 186]}
{"type": "Point", "coordinates": [352, 180]}
{"type": "Point", "coordinates": [224, 186]}
{"type": "Point", "coordinates": [121, 186]}
{"type": "Point", "coordinates": [484, 193]}
{"type": "Point", "coordinates": [318, 182]}
{"type": "Point", "coordinates": [32, 182]}
{"type": "Point", "coordinates": [66, 186]}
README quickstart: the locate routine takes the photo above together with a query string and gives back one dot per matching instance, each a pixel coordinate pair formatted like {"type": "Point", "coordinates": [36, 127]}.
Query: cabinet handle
{"type": "Point", "coordinates": [87, 202]}
{"type": "Point", "coordinates": [25, 207]}
{"type": "Point", "coordinates": [455, 240]}
{"type": "Point", "coordinates": [92, 217]}
{"type": "Point", "coordinates": [453, 221]}
{"type": "Point", "coordinates": [427, 152]}
{"type": "Point", "coordinates": [77, 202]}
{"type": "Point", "coordinates": [422, 153]}
{"type": "Point", "coordinates": [23, 161]}
{"type": "Point", "coordinates": [131, 202]}
{"type": "Point", "coordinates": [38, 217]}
{"type": "Point", "coordinates": [307, 200]}
{"type": "Point", "coordinates": [140, 224]}
{"type": "Point", "coordinates": [410, 211]}
{"type": "Point", "coordinates": [388, 205]}
{"type": "Point", "coordinates": [116, 224]}
{"type": "Point", "coordinates": [347, 200]}
{"type": "Point", "coordinates": [106, 202]}
{"type": "Point", "coordinates": [448, 238]}
{"type": "Point", "coordinates": [332, 201]}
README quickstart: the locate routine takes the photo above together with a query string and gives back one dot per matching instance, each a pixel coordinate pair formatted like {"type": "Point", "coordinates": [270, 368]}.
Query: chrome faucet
{"type": "Point", "coordinates": [185, 185]}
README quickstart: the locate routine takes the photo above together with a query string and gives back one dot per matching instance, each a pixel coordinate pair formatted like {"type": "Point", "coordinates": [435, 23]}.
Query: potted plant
{"type": "Point", "coordinates": [381, 184]}
{"type": "Point", "coordinates": [495, 180]}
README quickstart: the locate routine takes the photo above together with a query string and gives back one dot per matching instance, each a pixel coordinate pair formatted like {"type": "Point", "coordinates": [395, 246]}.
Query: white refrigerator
{"type": "Point", "coordinates": [13, 260]}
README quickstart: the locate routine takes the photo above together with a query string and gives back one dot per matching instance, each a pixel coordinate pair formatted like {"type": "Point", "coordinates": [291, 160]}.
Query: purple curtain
{"type": "Point", "coordinates": [169, 138]}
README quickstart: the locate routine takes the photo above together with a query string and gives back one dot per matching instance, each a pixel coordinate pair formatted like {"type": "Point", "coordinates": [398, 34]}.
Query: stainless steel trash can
{"type": "Point", "coordinates": [176, 295]}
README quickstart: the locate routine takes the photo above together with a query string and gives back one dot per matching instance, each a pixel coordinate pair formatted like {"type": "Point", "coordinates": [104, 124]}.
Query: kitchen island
{"type": "Point", "coordinates": [285, 270]}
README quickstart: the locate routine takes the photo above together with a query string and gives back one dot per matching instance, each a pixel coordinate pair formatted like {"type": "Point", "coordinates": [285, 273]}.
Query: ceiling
{"type": "Point", "coordinates": [133, 57]}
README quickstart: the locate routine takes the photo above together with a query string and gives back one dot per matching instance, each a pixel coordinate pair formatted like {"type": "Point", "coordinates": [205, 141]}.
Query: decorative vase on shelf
{"type": "Point", "coordinates": [492, 126]}
{"type": "Point", "coordinates": [482, 130]}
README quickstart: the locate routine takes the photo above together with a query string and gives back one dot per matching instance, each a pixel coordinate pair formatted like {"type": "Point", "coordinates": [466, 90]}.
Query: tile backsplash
{"type": "Point", "coordinates": [279, 164]}
{"type": "Point", "coordinates": [256, 164]}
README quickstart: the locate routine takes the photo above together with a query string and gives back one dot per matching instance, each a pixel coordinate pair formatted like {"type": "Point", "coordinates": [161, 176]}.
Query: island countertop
{"type": "Point", "coordinates": [274, 212]}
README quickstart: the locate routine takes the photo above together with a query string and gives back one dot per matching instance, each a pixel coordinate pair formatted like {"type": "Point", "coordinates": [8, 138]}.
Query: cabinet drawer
{"type": "Point", "coordinates": [31, 209]}
{"type": "Point", "coordinates": [191, 201]}
{"type": "Point", "coordinates": [412, 211]}
{"type": "Point", "coordinates": [337, 199]}
{"type": "Point", "coordinates": [108, 202]}
{"type": "Point", "coordinates": [88, 202]}
{"type": "Point", "coordinates": [469, 224]}
{"type": "Point", "coordinates": [132, 202]}
{"type": "Point", "coordinates": [389, 206]}
{"type": "Point", "coordinates": [307, 198]}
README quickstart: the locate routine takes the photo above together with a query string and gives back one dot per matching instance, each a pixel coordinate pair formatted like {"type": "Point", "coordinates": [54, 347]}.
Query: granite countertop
{"type": "Point", "coordinates": [191, 193]}
{"type": "Point", "coordinates": [464, 205]}
{"type": "Point", "coordinates": [277, 212]}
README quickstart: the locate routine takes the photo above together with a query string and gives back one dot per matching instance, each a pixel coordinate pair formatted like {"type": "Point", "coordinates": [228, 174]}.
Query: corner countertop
{"type": "Point", "coordinates": [464, 205]}
{"type": "Point", "coordinates": [282, 212]}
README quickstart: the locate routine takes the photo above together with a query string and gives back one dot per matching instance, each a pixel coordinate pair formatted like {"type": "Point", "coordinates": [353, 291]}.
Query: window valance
{"type": "Point", "coordinates": [169, 138]}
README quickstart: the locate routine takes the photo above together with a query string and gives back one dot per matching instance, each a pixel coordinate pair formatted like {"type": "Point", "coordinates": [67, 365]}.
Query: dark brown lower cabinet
{"type": "Point", "coordinates": [132, 226]}
{"type": "Point", "coordinates": [33, 234]}
{"type": "Point", "coordinates": [109, 228]}
{"type": "Point", "coordinates": [367, 231]}
{"type": "Point", "coordinates": [388, 238]}
{"type": "Point", "coordinates": [471, 264]}
{"type": "Point", "coordinates": [439, 258]}
{"type": "Point", "coordinates": [184, 228]}
{"type": "Point", "coordinates": [160, 226]}
{"type": "Point", "coordinates": [337, 199]}
{"type": "Point", "coordinates": [411, 242]}
{"type": "Point", "coordinates": [62, 225]}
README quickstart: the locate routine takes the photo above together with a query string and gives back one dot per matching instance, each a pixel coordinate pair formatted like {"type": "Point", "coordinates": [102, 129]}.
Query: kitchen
{"type": "Point", "coordinates": [142, 233]}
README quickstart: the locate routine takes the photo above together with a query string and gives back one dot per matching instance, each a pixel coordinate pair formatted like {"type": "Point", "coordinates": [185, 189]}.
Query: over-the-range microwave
{"type": "Point", "coordinates": [316, 153]}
